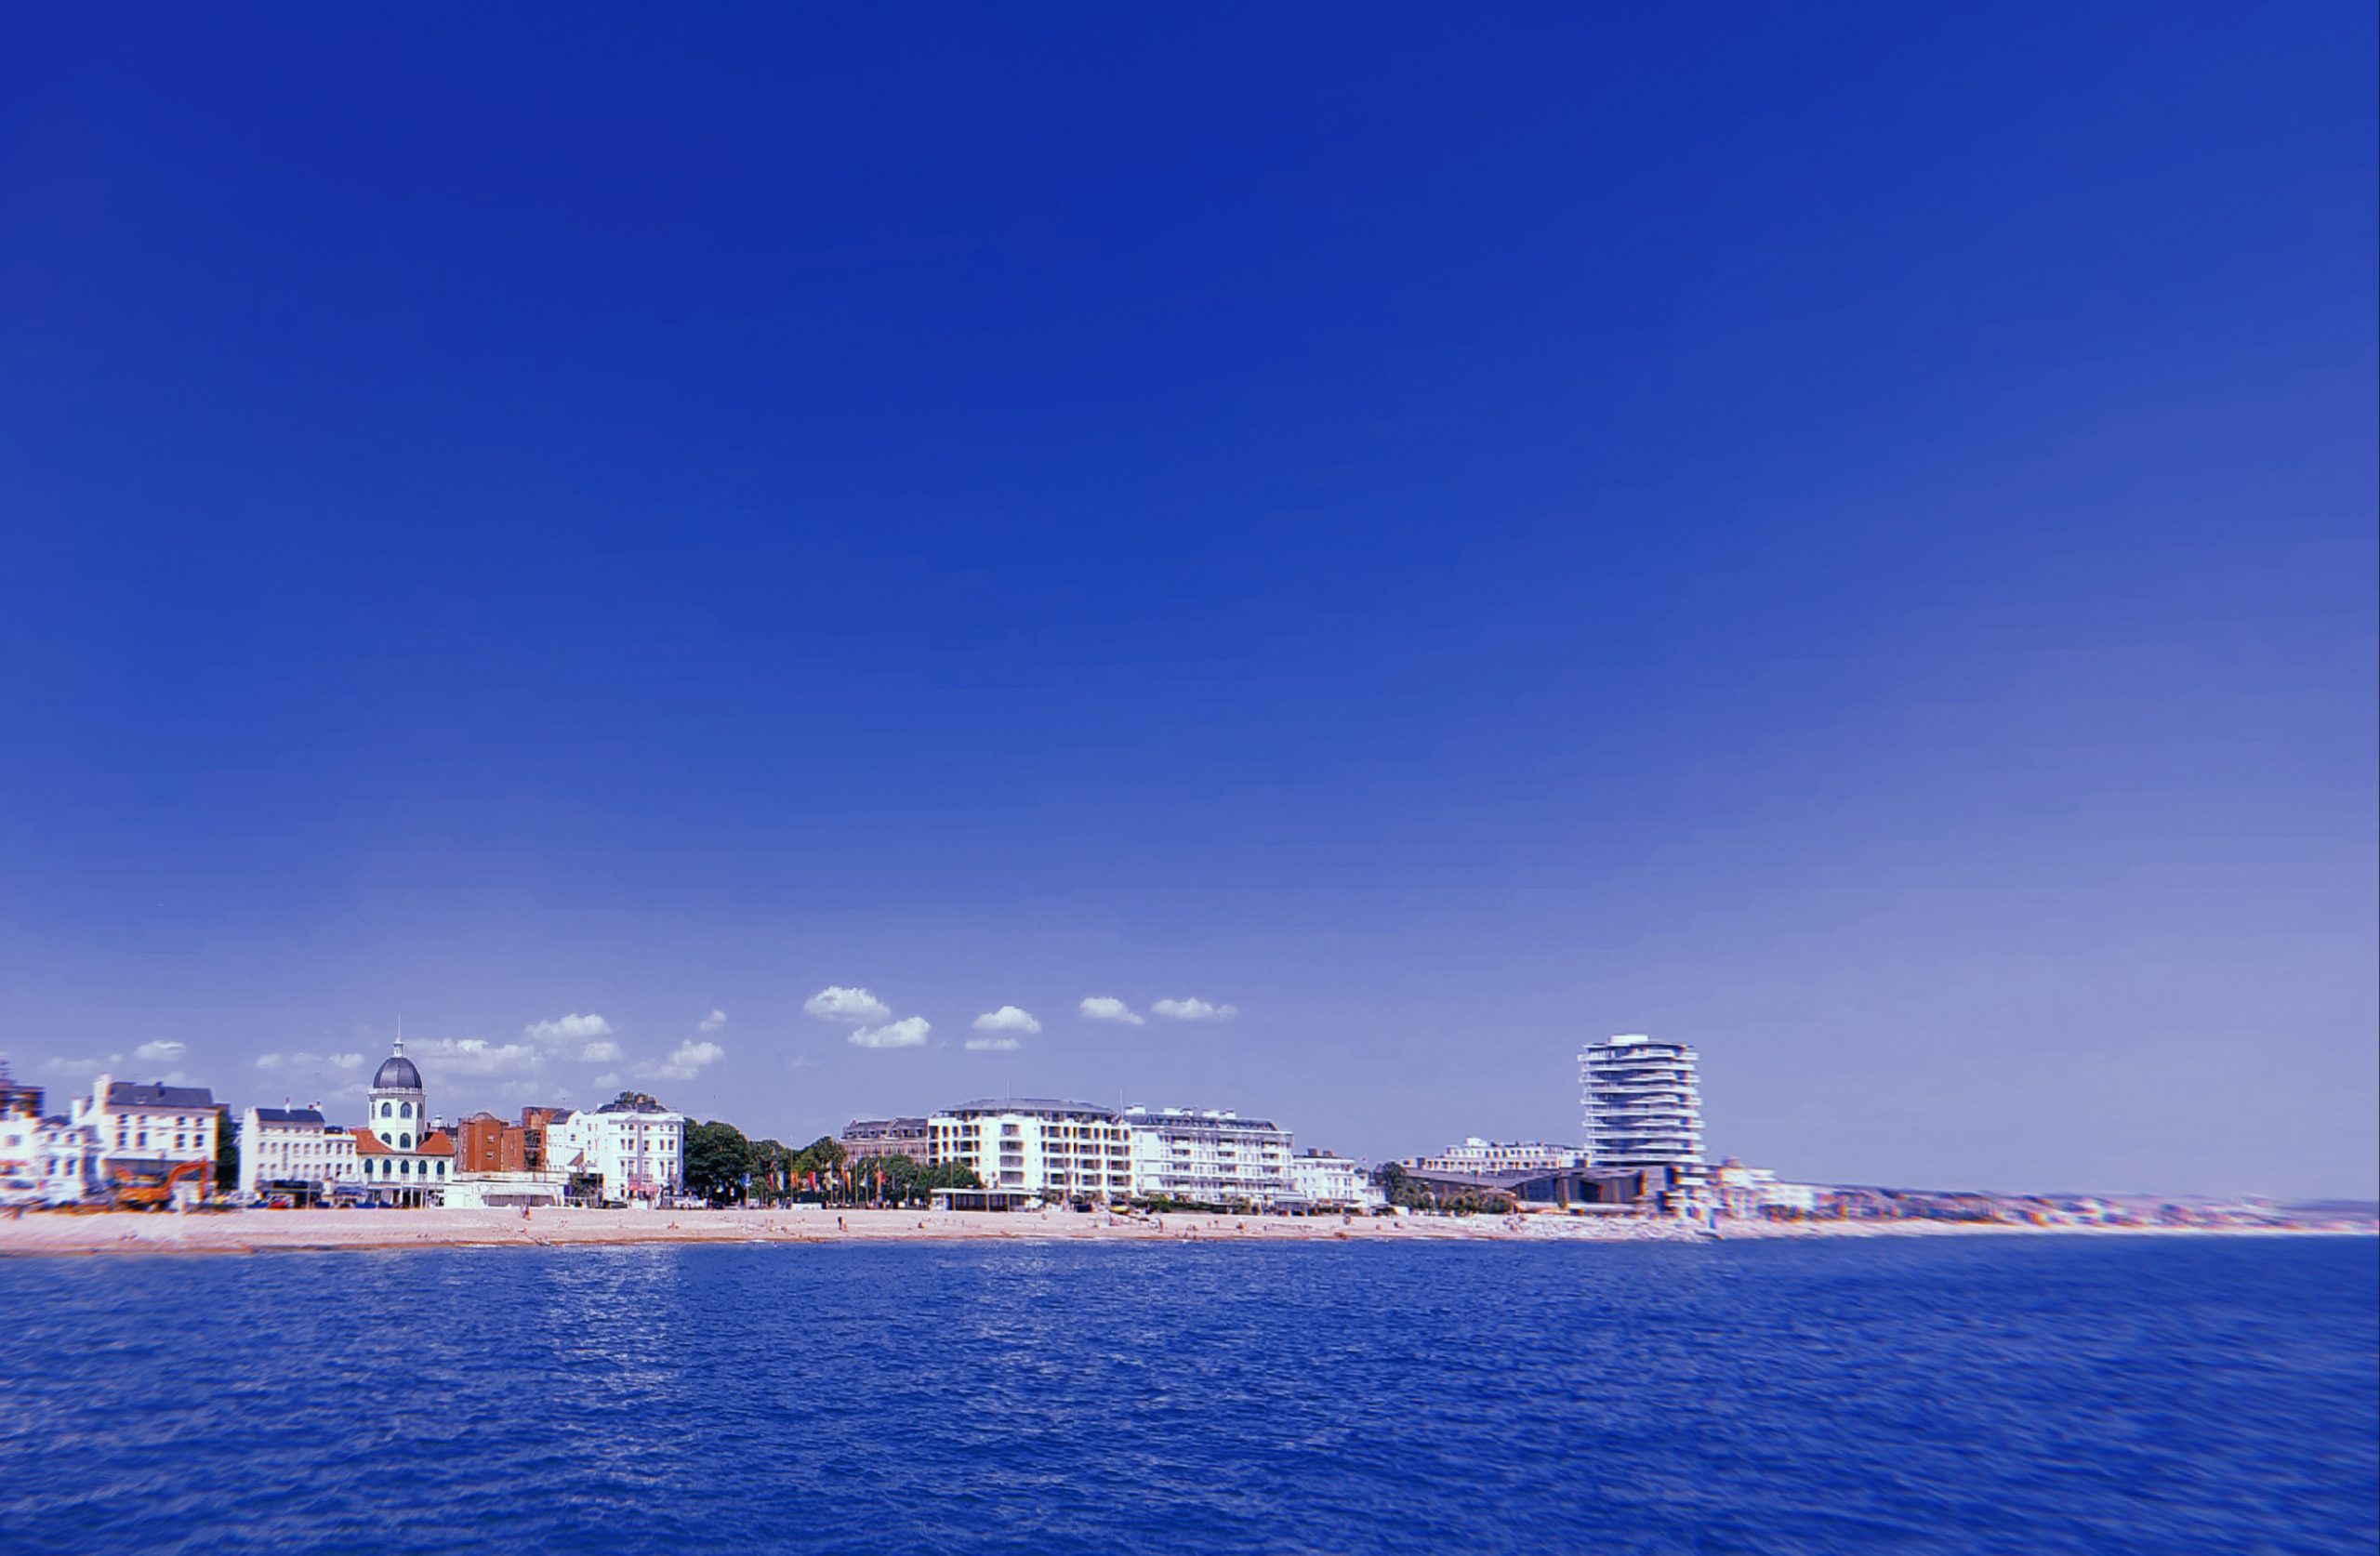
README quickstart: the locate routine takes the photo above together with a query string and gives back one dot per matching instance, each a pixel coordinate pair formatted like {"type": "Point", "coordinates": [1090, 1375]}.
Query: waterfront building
{"type": "Point", "coordinates": [1040, 1146]}
{"type": "Point", "coordinates": [1208, 1157]}
{"type": "Point", "coordinates": [1643, 1102]}
{"type": "Point", "coordinates": [636, 1146]}
{"type": "Point", "coordinates": [1330, 1183]}
{"type": "Point", "coordinates": [144, 1130]}
{"type": "Point", "coordinates": [486, 1143]}
{"type": "Point", "coordinates": [1744, 1192]}
{"type": "Point", "coordinates": [887, 1137]}
{"type": "Point", "coordinates": [294, 1151]}
{"type": "Point", "coordinates": [1475, 1155]}
{"type": "Point", "coordinates": [402, 1156]}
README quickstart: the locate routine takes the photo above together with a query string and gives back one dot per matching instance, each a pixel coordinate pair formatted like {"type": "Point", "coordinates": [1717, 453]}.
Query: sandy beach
{"type": "Point", "coordinates": [239, 1231]}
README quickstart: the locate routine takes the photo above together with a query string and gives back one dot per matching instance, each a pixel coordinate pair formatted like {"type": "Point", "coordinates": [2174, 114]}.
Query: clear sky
{"type": "Point", "coordinates": [1845, 536]}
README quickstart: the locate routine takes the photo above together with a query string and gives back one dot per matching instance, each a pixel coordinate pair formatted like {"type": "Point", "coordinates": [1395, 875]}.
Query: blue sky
{"type": "Point", "coordinates": [1846, 538]}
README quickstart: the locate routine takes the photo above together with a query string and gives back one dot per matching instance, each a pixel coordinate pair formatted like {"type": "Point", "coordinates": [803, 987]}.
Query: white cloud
{"type": "Point", "coordinates": [1007, 1018]}
{"type": "Point", "coordinates": [836, 1003]}
{"type": "Point", "coordinates": [474, 1056]}
{"type": "Point", "coordinates": [600, 1053]}
{"type": "Point", "coordinates": [686, 1061]}
{"type": "Point", "coordinates": [1193, 1011]}
{"type": "Point", "coordinates": [1105, 1007]}
{"type": "Point", "coordinates": [163, 1049]}
{"type": "Point", "coordinates": [86, 1067]}
{"type": "Point", "coordinates": [603, 1082]}
{"type": "Point", "coordinates": [568, 1028]}
{"type": "Point", "coordinates": [909, 1032]}
{"type": "Point", "coordinates": [993, 1044]}
{"type": "Point", "coordinates": [711, 1023]}
{"type": "Point", "coordinates": [309, 1061]}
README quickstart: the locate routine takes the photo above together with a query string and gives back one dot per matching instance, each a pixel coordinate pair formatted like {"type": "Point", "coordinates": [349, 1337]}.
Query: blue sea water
{"type": "Point", "coordinates": [2025, 1394]}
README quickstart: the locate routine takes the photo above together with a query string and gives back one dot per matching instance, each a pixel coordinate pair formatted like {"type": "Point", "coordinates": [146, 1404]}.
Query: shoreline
{"type": "Point", "coordinates": [255, 1231]}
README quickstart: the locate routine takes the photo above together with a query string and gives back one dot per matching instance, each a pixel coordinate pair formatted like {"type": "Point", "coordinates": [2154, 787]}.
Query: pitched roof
{"type": "Point", "coordinates": [368, 1144]}
{"type": "Point", "coordinates": [146, 1094]}
{"type": "Point", "coordinates": [438, 1142]}
{"type": "Point", "coordinates": [289, 1116]}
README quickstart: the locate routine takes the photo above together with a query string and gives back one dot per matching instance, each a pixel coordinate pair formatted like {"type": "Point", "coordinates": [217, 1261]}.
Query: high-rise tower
{"type": "Point", "coordinates": [1643, 1101]}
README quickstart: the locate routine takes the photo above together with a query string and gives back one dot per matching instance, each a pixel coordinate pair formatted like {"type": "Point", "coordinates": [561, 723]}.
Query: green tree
{"type": "Point", "coordinates": [718, 1160]}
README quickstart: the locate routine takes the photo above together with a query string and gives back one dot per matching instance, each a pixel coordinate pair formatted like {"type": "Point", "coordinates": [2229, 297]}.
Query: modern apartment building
{"type": "Point", "coordinates": [1211, 1157]}
{"type": "Point", "coordinates": [1475, 1155]}
{"type": "Point", "coordinates": [1643, 1102]}
{"type": "Point", "coordinates": [1038, 1146]}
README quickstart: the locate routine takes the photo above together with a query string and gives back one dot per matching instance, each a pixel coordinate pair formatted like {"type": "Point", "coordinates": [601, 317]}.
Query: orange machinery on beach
{"type": "Point", "coordinates": [138, 1190]}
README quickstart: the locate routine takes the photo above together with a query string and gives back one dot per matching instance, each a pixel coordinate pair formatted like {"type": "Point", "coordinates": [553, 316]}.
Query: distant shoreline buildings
{"type": "Point", "coordinates": [134, 1144]}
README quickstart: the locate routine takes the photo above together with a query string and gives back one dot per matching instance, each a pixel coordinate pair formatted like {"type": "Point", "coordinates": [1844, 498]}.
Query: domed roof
{"type": "Point", "coordinates": [396, 1073]}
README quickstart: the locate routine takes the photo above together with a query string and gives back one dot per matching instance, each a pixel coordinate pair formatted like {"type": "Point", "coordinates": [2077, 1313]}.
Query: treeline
{"type": "Point", "coordinates": [726, 1169]}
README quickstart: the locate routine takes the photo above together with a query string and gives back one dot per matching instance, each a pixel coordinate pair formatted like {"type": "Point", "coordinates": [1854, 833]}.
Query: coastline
{"type": "Point", "coordinates": [254, 1232]}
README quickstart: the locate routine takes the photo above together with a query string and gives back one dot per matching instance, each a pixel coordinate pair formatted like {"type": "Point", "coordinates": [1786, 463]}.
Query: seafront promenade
{"type": "Point", "coordinates": [242, 1232]}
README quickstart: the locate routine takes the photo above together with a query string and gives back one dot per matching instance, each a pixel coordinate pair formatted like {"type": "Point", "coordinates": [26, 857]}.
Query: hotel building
{"type": "Point", "coordinates": [1643, 1102]}
{"type": "Point", "coordinates": [148, 1129]}
{"type": "Point", "coordinates": [404, 1158]}
{"type": "Point", "coordinates": [1209, 1157]}
{"type": "Point", "coordinates": [1330, 1183]}
{"type": "Point", "coordinates": [634, 1144]}
{"type": "Point", "coordinates": [887, 1137]}
{"type": "Point", "coordinates": [293, 1151]}
{"type": "Point", "coordinates": [1475, 1155]}
{"type": "Point", "coordinates": [1038, 1146]}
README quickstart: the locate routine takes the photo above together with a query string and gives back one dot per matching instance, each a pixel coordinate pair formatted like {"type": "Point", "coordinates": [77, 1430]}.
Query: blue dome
{"type": "Point", "coordinates": [396, 1074]}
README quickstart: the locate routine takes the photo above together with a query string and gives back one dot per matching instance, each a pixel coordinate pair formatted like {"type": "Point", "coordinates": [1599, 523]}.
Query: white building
{"type": "Point", "coordinates": [1475, 1155]}
{"type": "Point", "coordinates": [1330, 1182]}
{"type": "Point", "coordinates": [402, 1157]}
{"type": "Point", "coordinates": [147, 1130]}
{"type": "Point", "coordinates": [1209, 1157]}
{"type": "Point", "coordinates": [295, 1150]}
{"type": "Point", "coordinates": [1060, 1150]}
{"type": "Point", "coordinates": [633, 1144]}
{"type": "Point", "coordinates": [1643, 1102]}
{"type": "Point", "coordinates": [1745, 1192]}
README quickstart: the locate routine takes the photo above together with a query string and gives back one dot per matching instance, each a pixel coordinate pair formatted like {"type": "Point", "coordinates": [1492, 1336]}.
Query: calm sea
{"type": "Point", "coordinates": [2021, 1395]}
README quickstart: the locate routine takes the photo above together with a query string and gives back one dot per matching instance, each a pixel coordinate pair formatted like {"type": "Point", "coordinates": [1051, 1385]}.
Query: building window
{"type": "Point", "coordinates": [404, 1110]}
{"type": "Point", "coordinates": [405, 1142]}
{"type": "Point", "coordinates": [404, 1167]}
{"type": "Point", "coordinates": [442, 1169]}
{"type": "Point", "coordinates": [387, 1110]}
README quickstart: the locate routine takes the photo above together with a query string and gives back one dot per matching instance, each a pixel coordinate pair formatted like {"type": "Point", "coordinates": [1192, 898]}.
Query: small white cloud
{"type": "Point", "coordinates": [686, 1061]}
{"type": "Point", "coordinates": [1105, 1007]}
{"type": "Point", "coordinates": [605, 1052]}
{"type": "Point", "coordinates": [164, 1049]}
{"type": "Point", "coordinates": [309, 1061]}
{"type": "Point", "coordinates": [472, 1056]}
{"type": "Point", "coordinates": [713, 1023]}
{"type": "Point", "coordinates": [1193, 1011]}
{"type": "Point", "coordinates": [909, 1032]}
{"type": "Point", "coordinates": [1007, 1018]}
{"type": "Point", "coordinates": [835, 1003]}
{"type": "Point", "coordinates": [601, 1082]}
{"type": "Point", "coordinates": [344, 1061]}
{"type": "Point", "coordinates": [568, 1028]}
{"type": "Point", "coordinates": [72, 1066]}
{"type": "Point", "coordinates": [992, 1044]}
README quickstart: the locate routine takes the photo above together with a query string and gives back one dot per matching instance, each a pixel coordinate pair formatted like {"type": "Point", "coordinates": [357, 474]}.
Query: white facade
{"type": "Point", "coordinates": [505, 1191]}
{"type": "Point", "coordinates": [1748, 1191]}
{"type": "Point", "coordinates": [1209, 1157]}
{"type": "Point", "coordinates": [144, 1129]}
{"type": "Point", "coordinates": [1331, 1183]}
{"type": "Point", "coordinates": [1475, 1155]}
{"type": "Point", "coordinates": [1038, 1146]}
{"type": "Point", "coordinates": [637, 1146]}
{"type": "Point", "coordinates": [290, 1146]}
{"type": "Point", "coordinates": [1643, 1103]}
